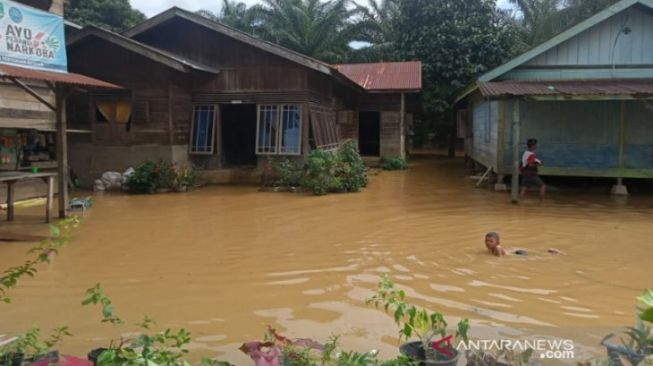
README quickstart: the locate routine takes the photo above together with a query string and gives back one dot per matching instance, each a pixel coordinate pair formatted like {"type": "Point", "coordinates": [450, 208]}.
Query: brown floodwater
{"type": "Point", "coordinates": [223, 262]}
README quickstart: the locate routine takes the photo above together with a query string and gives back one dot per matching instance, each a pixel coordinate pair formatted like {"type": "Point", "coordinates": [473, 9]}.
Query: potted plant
{"type": "Point", "coordinates": [28, 346]}
{"type": "Point", "coordinates": [185, 179]}
{"type": "Point", "coordinates": [165, 348]}
{"type": "Point", "coordinates": [433, 347]}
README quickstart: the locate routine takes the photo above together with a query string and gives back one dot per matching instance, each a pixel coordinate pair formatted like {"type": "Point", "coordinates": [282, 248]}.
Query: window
{"type": "Point", "coordinates": [324, 129]}
{"type": "Point", "coordinates": [266, 142]}
{"type": "Point", "coordinates": [118, 111]}
{"type": "Point", "coordinates": [291, 128]}
{"type": "Point", "coordinates": [279, 129]}
{"type": "Point", "coordinates": [202, 136]}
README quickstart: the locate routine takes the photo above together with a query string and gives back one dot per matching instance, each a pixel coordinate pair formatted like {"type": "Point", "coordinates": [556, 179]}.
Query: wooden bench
{"type": "Point", "coordinates": [10, 178]}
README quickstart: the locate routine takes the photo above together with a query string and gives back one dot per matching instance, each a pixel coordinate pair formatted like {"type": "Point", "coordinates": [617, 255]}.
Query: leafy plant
{"type": "Point", "coordinates": [277, 350]}
{"type": "Point", "coordinates": [29, 344]}
{"type": "Point", "coordinates": [319, 174]}
{"type": "Point", "coordinates": [342, 170]}
{"type": "Point", "coordinates": [647, 299]}
{"type": "Point", "coordinates": [150, 176]}
{"type": "Point", "coordinates": [289, 174]}
{"type": "Point", "coordinates": [394, 163]}
{"type": "Point", "coordinates": [59, 237]}
{"type": "Point", "coordinates": [414, 321]}
{"type": "Point", "coordinates": [185, 177]}
{"type": "Point", "coordinates": [351, 168]}
{"type": "Point", "coordinates": [165, 348]}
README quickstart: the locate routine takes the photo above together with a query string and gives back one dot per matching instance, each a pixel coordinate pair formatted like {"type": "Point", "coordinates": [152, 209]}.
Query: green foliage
{"type": "Point", "coordinates": [185, 177]}
{"type": "Point", "coordinates": [394, 163]}
{"type": "Point", "coordinates": [30, 345]}
{"type": "Point", "coordinates": [541, 20]}
{"type": "Point", "coordinates": [320, 29]}
{"type": "Point", "coordinates": [414, 321]}
{"type": "Point", "coordinates": [150, 176]}
{"type": "Point", "coordinates": [234, 14]}
{"type": "Point", "coordinates": [114, 15]}
{"type": "Point", "coordinates": [289, 175]}
{"type": "Point", "coordinates": [165, 348]}
{"type": "Point", "coordinates": [59, 237]}
{"type": "Point", "coordinates": [456, 41]}
{"type": "Point", "coordinates": [95, 295]}
{"type": "Point", "coordinates": [647, 312]}
{"type": "Point", "coordinates": [339, 171]}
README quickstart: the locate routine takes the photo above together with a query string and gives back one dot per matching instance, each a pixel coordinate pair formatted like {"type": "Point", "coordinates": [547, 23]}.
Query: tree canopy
{"type": "Point", "coordinates": [114, 15]}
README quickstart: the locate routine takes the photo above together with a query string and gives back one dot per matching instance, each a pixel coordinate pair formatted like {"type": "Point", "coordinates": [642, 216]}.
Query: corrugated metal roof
{"type": "Point", "coordinates": [55, 77]}
{"type": "Point", "coordinates": [385, 76]}
{"type": "Point", "coordinates": [596, 87]}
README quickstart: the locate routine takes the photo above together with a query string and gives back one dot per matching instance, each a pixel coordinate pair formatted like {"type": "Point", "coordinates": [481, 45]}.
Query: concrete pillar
{"type": "Point", "coordinates": [500, 186]}
{"type": "Point", "coordinates": [619, 189]}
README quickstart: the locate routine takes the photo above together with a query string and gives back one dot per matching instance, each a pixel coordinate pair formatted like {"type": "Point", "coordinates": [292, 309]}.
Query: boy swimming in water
{"type": "Point", "coordinates": [493, 245]}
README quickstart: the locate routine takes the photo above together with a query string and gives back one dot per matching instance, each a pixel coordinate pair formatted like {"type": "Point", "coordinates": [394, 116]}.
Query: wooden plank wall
{"type": "Point", "coordinates": [161, 98]}
{"type": "Point", "coordinates": [20, 110]}
{"type": "Point", "coordinates": [483, 144]}
{"type": "Point", "coordinates": [581, 135]}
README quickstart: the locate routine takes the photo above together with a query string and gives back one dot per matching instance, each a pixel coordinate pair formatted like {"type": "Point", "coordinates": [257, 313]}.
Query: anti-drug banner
{"type": "Point", "coordinates": [31, 38]}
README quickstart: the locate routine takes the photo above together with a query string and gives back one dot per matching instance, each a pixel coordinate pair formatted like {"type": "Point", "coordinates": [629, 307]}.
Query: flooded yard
{"type": "Point", "coordinates": [223, 262]}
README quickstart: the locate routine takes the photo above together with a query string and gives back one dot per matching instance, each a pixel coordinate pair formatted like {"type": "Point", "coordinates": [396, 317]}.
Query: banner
{"type": "Point", "coordinates": [31, 38]}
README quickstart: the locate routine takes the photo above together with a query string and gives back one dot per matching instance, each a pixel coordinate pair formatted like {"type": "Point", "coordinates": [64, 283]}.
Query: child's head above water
{"type": "Point", "coordinates": [492, 240]}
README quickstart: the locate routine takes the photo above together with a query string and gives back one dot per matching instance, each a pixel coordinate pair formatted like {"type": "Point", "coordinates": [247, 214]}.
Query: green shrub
{"type": "Point", "coordinates": [288, 173]}
{"type": "Point", "coordinates": [319, 175]}
{"type": "Point", "coordinates": [339, 171]}
{"type": "Point", "coordinates": [394, 163]}
{"type": "Point", "coordinates": [351, 168]}
{"type": "Point", "coordinates": [150, 176]}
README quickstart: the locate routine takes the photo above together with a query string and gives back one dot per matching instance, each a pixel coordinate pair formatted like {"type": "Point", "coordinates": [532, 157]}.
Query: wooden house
{"type": "Point", "coordinates": [586, 95]}
{"type": "Point", "coordinates": [200, 92]}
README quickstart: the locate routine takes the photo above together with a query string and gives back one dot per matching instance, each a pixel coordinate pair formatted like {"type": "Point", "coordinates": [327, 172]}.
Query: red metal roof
{"type": "Point", "coordinates": [385, 76]}
{"type": "Point", "coordinates": [631, 87]}
{"type": "Point", "coordinates": [55, 77]}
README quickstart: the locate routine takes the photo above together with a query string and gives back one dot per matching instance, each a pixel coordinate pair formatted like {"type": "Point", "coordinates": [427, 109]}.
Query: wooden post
{"type": "Point", "coordinates": [622, 133]}
{"type": "Point", "coordinates": [62, 151]}
{"type": "Point", "coordinates": [48, 204]}
{"type": "Point", "coordinates": [402, 126]}
{"type": "Point", "coordinates": [516, 137]}
{"type": "Point", "coordinates": [10, 201]}
{"type": "Point", "coordinates": [452, 135]}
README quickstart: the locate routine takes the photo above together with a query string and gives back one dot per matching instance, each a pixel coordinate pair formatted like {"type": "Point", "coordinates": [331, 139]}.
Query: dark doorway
{"type": "Point", "coordinates": [369, 133]}
{"type": "Point", "coordinates": [238, 124]}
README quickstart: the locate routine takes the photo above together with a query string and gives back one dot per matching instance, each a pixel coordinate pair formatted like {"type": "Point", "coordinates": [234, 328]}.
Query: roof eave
{"type": "Point", "coordinates": [138, 48]}
{"type": "Point", "coordinates": [234, 33]}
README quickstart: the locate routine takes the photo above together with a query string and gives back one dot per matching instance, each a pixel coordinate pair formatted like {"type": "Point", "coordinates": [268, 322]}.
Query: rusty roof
{"type": "Point", "coordinates": [385, 76]}
{"type": "Point", "coordinates": [8, 71]}
{"type": "Point", "coordinates": [593, 87]}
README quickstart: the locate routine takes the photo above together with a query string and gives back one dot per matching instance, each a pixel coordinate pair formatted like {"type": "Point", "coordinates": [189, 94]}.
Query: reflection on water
{"type": "Point", "coordinates": [225, 261]}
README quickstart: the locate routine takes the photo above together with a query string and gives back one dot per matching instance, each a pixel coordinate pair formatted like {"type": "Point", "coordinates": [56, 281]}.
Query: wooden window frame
{"type": "Point", "coordinates": [213, 130]}
{"type": "Point", "coordinates": [279, 129]}
{"type": "Point", "coordinates": [280, 135]}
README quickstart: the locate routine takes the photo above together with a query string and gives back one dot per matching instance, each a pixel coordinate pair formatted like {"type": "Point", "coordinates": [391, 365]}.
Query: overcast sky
{"type": "Point", "coordinates": [153, 7]}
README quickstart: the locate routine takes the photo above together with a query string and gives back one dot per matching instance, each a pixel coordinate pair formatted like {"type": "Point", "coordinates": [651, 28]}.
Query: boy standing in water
{"type": "Point", "coordinates": [529, 170]}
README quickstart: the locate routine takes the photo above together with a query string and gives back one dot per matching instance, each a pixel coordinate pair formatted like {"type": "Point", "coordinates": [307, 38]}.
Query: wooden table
{"type": "Point", "coordinates": [12, 177]}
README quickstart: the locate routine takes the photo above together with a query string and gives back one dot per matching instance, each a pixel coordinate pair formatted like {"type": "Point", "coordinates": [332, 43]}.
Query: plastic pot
{"type": "Point", "coordinates": [415, 351]}
{"type": "Point", "coordinates": [95, 354]}
{"type": "Point", "coordinates": [12, 359]}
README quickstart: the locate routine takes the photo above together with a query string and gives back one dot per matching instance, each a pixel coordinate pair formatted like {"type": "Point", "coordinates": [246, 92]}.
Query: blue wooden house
{"type": "Point", "coordinates": [586, 95]}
